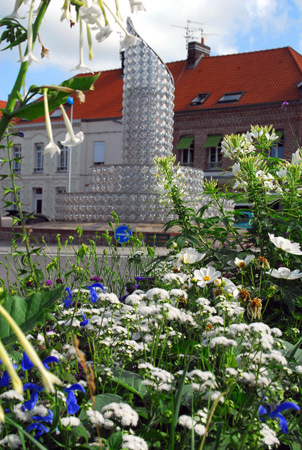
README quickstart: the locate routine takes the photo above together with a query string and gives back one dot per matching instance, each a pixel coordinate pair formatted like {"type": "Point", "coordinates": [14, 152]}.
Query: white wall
{"type": "Point", "coordinates": [107, 131]}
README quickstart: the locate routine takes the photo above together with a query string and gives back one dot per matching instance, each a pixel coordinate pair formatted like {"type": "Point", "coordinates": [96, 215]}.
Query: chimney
{"type": "Point", "coordinates": [122, 57]}
{"type": "Point", "coordinates": [196, 51]}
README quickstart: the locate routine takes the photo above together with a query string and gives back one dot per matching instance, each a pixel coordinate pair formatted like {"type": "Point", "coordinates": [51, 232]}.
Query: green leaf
{"type": "Point", "coordinates": [27, 313]}
{"type": "Point", "coordinates": [130, 381]}
{"type": "Point", "coordinates": [35, 109]}
{"type": "Point", "coordinates": [115, 441]}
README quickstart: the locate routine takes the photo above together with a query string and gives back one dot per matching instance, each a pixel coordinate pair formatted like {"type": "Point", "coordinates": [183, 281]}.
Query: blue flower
{"type": "Point", "coordinates": [85, 320]}
{"type": "Point", "coordinates": [68, 300]}
{"type": "Point", "coordinates": [273, 412]}
{"type": "Point", "coordinates": [26, 363]}
{"type": "Point", "coordinates": [41, 429]}
{"type": "Point", "coordinates": [49, 359]}
{"type": "Point", "coordinates": [72, 406]}
{"type": "Point", "coordinates": [4, 380]}
{"type": "Point", "coordinates": [93, 294]}
{"type": "Point", "coordinates": [31, 403]}
{"type": "Point", "coordinates": [47, 419]}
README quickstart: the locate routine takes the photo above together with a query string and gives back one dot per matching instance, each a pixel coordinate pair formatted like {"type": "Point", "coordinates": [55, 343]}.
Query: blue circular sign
{"type": "Point", "coordinates": [122, 234]}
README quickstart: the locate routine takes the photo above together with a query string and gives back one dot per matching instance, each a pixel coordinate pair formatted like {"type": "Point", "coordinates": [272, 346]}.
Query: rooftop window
{"type": "Point", "coordinates": [230, 97]}
{"type": "Point", "coordinates": [200, 99]}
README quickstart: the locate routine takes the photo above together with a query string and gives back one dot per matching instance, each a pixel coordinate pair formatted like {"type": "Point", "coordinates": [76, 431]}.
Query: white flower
{"type": "Point", "coordinates": [242, 263]}
{"type": "Point", "coordinates": [285, 273]}
{"type": "Point", "coordinates": [281, 172]}
{"type": "Point", "coordinates": [269, 437]}
{"type": "Point", "coordinates": [206, 275]}
{"type": "Point", "coordinates": [66, 12]}
{"type": "Point", "coordinates": [90, 14]}
{"type": "Point", "coordinates": [129, 40]}
{"type": "Point", "coordinates": [81, 66]}
{"type": "Point", "coordinates": [14, 14]}
{"type": "Point", "coordinates": [71, 140]}
{"type": "Point", "coordinates": [51, 149]}
{"type": "Point", "coordinates": [95, 417]}
{"type": "Point", "coordinates": [103, 33]}
{"type": "Point", "coordinates": [285, 244]}
{"type": "Point", "coordinates": [12, 441]}
{"type": "Point", "coordinates": [71, 421]}
{"type": "Point", "coordinates": [236, 169]}
{"type": "Point", "coordinates": [137, 5]}
{"type": "Point", "coordinates": [190, 255]}
{"type": "Point", "coordinates": [223, 341]}
{"type": "Point", "coordinates": [131, 442]}
{"type": "Point", "coordinates": [30, 57]}
{"type": "Point", "coordinates": [296, 158]}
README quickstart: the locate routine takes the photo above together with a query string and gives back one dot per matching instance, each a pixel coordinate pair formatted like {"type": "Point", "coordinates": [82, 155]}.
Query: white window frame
{"type": "Point", "coordinates": [63, 158]}
{"type": "Point", "coordinates": [187, 156]}
{"type": "Point", "coordinates": [38, 196]}
{"type": "Point", "coordinates": [217, 161]}
{"type": "Point", "coordinates": [39, 158]}
{"type": "Point", "coordinates": [17, 154]}
{"type": "Point", "coordinates": [276, 148]}
{"type": "Point", "coordinates": [99, 152]}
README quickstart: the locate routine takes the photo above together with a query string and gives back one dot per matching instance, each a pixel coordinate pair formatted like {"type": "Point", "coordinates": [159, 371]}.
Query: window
{"type": "Point", "coordinates": [276, 151]}
{"type": "Point", "coordinates": [63, 158]}
{"type": "Point", "coordinates": [200, 99]}
{"type": "Point", "coordinates": [60, 190]}
{"type": "Point", "coordinates": [39, 158]}
{"type": "Point", "coordinates": [14, 206]}
{"type": "Point", "coordinates": [213, 144]}
{"type": "Point", "coordinates": [38, 200]}
{"type": "Point", "coordinates": [230, 97]}
{"type": "Point", "coordinates": [186, 147]}
{"type": "Point", "coordinates": [17, 154]}
{"type": "Point", "coordinates": [99, 153]}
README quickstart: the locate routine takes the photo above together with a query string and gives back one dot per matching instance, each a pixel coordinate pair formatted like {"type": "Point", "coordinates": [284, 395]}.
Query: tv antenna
{"type": "Point", "coordinates": [191, 31]}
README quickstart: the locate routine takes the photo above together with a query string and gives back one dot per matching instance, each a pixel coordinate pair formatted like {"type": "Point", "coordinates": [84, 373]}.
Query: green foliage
{"type": "Point", "coordinates": [28, 312]}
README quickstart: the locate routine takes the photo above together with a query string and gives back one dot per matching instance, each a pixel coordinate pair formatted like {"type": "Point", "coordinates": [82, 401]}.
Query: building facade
{"type": "Point", "coordinates": [214, 96]}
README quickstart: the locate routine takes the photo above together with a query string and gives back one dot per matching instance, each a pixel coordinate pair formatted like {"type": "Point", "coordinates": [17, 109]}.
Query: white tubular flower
{"type": "Point", "coordinates": [30, 57]}
{"type": "Point", "coordinates": [71, 140]}
{"type": "Point", "coordinates": [103, 33]}
{"type": "Point", "coordinates": [51, 147]}
{"type": "Point", "coordinates": [285, 273]}
{"type": "Point", "coordinates": [81, 66]}
{"type": "Point", "coordinates": [285, 244]}
{"type": "Point", "coordinates": [128, 40]}
{"type": "Point", "coordinates": [48, 378]}
{"type": "Point", "coordinates": [90, 14]}
{"type": "Point", "coordinates": [137, 5]}
{"type": "Point", "coordinates": [17, 383]}
{"type": "Point", "coordinates": [2, 416]}
{"type": "Point", "coordinates": [66, 15]}
{"type": "Point", "coordinates": [242, 263]}
{"type": "Point", "coordinates": [14, 14]}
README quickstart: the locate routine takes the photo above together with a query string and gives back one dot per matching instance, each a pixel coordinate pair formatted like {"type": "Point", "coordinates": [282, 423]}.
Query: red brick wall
{"type": "Point", "coordinates": [227, 120]}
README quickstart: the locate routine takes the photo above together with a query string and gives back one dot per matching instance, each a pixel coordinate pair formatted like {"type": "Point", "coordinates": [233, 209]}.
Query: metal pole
{"type": "Point", "coordinates": [69, 151]}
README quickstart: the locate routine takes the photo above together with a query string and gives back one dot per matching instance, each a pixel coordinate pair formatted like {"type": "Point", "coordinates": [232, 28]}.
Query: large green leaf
{"type": "Point", "coordinates": [27, 313]}
{"type": "Point", "coordinates": [130, 381]}
{"type": "Point", "coordinates": [35, 109]}
{"type": "Point", "coordinates": [102, 400]}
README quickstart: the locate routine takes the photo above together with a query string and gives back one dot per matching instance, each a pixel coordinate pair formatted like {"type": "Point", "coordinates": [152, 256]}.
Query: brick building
{"type": "Point", "coordinates": [218, 95]}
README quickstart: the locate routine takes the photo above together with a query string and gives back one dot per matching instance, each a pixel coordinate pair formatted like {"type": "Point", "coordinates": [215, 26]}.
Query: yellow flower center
{"type": "Point", "coordinates": [241, 264]}
{"type": "Point", "coordinates": [206, 278]}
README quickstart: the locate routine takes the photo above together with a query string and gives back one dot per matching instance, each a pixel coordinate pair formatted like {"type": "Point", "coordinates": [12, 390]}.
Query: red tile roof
{"type": "Point", "coordinates": [266, 76]}
{"type": "Point", "coordinates": [2, 105]}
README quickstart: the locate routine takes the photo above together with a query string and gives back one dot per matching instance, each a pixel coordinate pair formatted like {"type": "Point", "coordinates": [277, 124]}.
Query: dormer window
{"type": "Point", "coordinates": [199, 99]}
{"type": "Point", "coordinates": [230, 97]}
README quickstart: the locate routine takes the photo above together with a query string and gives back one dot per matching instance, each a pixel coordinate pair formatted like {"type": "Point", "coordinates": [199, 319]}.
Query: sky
{"type": "Point", "coordinates": [233, 26]}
